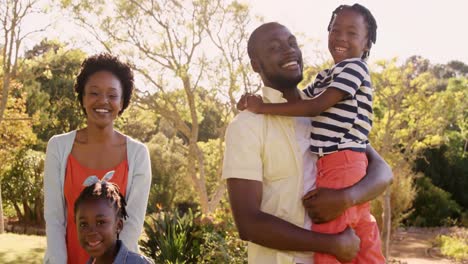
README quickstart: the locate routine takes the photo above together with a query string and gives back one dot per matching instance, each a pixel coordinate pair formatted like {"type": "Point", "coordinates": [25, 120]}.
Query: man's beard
{"type": "Point", "coordinates": [282, 81]}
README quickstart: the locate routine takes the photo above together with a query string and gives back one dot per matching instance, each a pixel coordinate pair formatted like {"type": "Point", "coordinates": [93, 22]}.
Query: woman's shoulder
{"type": "Point", "coordinates": [64, 136]}
{"type": "Point", "coordinates": [134, 144]}
{"type": "Point", "coordinates": [62, 139]}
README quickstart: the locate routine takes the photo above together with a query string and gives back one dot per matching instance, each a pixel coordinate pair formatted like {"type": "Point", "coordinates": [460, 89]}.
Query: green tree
{"type": "Point", "coordinates": [433, 206]}
{"type": "Point", "coordinates": [167, 41]}
{"type": "Point", "coordinates": [12, 15]}
{"type": "Point", "coordinates": [138, 122]}
{"type": "Point", "coordinates": [409, 116]}
{"type": "Point", "coordinates": [48, 75]}
{"type": "Point", "coordinates": [168, 167]}
{"type": "Point", "coordinates": [22, 186]}
{"type": "Point", "coordinates": [15, 130]}
{"type": "Point", "coordinates": [447, 165]}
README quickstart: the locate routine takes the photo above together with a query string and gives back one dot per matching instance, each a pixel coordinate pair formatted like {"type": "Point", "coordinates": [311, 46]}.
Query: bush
{"type": "Point", "coordinates": [169, 185]}
{"type": "Point", "coordinates": [221, 239]}
{"type": "Point", "coordinates": [401, 198]}
{"type": "Point", "coordinates": [172, 238]}
{"type": "Point", "coordinates": [455, 247]}
{"type": "Point", "coordinates": [22, 186]}
{"type": "Point", "coordinates": [433, 206]}
{"type": "Point", "coordinates": [193, 238]}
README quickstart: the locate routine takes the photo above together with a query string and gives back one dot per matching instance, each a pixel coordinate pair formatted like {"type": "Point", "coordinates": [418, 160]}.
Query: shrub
{"type": "Point", "coordinates": [221, 239]}
{"type": "Point", "coordinates": [172, 238]}
{"type": "Point", "coordinates": [455, 247]}
{"type": "Point", "coordinates": [401, 198]}
{"type": "Point", "coordinates": [433, 206]}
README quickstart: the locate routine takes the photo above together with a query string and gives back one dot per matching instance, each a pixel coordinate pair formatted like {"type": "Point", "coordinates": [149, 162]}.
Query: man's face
{"type": "Point", "coordinates": [278, 58]}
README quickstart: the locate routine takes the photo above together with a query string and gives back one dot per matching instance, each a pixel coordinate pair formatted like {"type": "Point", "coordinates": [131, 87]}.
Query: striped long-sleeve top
{"type": "Point", "coordinates": [345, 125]}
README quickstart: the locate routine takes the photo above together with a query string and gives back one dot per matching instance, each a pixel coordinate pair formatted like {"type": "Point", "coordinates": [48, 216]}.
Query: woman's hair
{"type": "Point", "coordinates": [107, 191]}
{"type": "Point", "coordinates": [110, 63]}
{"type": "Point", "coordinates": [368, 17]}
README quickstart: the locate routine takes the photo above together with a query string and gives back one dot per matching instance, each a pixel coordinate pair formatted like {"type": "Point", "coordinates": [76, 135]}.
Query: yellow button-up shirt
{"type": "Point", "coordinates": [264, 148]}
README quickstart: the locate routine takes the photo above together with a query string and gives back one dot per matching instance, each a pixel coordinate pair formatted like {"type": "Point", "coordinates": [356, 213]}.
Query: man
{"type": "Point", "coordinates": [269, 168]}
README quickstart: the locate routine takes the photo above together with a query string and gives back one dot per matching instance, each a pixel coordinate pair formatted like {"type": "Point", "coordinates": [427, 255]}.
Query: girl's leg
{"type": "Point", "coordinates": [370, 251]}
{"type": "Point", "coordinates": [337, 171]}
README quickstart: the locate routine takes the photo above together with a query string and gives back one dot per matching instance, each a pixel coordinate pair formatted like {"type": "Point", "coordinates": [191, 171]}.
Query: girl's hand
{"type": "Point", "coordinates": [242, 103]}
{"type": "Point", "coordinates": [254, 103]}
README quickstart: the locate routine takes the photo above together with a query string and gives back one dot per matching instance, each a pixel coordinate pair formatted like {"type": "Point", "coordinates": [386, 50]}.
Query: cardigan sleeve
{"type": "Point", "coordinates": [54, 206]}
{"type": "Point", "coordinates": [137, 197]}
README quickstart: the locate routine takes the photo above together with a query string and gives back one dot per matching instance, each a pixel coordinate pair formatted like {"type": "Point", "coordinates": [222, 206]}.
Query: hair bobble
{"type": "Point", "coordinates": [94, 179]}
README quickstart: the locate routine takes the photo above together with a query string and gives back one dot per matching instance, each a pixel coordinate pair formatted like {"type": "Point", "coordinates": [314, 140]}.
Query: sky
{"type": "Point", "coordinates": [434, 29]}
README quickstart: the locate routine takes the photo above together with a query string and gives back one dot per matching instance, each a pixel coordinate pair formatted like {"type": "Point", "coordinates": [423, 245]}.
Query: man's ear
{"type": "Point", "coordinates": [255, 65]}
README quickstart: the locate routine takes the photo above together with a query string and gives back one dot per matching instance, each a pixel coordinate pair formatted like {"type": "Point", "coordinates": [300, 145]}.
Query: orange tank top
{"type": "Point", "coordinates": [75, 175]}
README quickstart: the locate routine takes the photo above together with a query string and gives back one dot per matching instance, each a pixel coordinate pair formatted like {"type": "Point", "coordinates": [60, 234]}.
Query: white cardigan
{"type": "Point", "coordinates": [55, 213]}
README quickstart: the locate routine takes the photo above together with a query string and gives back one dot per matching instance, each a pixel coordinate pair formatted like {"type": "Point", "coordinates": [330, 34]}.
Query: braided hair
{"type": "Point", "coordinates": [104, 190]}
{"type": "Point", "coordinates": [368, 17]}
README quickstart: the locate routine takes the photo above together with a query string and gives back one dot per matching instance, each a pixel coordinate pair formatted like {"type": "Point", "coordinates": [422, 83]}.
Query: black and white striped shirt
{"type": "Point", "coordinates": [345, 125]}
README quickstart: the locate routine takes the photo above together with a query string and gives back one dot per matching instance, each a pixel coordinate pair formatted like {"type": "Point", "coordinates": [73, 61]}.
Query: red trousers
{"type": "Point", "coordinates": [337, 171]}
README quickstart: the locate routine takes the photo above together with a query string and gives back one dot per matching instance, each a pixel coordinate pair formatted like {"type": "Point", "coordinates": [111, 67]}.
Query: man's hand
{"type": "Point", "coordinates": [347, 246]}
{"type": "Point", "coordinates": [254, 103]}
{"type": "Point", "coordinates": [324, 205]}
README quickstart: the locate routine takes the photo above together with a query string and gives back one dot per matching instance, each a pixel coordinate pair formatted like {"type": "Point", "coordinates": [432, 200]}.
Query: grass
{"type": "Point", "coordinates": [16, 248]}
{"type": "Point", "coordinates": [453, 246]}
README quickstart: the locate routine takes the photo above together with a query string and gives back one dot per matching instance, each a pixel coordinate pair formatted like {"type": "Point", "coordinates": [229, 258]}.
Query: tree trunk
{"type": "Point", "coordinates": [39, 211]}
{"type": "Point", "coordinates": [2, 224]}
{"type": "Point", "coordinates": [387, 223]}
{"type": "Point", "coordinates": [27, 212]}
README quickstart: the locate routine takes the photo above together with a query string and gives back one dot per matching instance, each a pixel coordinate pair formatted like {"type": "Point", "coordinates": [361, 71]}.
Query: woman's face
{"type": "Point", "coordinates": [102, 98]}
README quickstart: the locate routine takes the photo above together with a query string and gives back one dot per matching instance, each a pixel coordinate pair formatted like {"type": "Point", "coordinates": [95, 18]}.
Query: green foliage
{"type": "Point", "coordinates": [15, 129]}
{"type": "Point", "coordinates": [221, 239]}
{"type": "Point", "coordinates": [169, 185]}
{"type": "Point", "coordinates": [447, 170]}
{"type": "Point", "coordinates": [410, 115]}
{"type": "Point", "coordinates": [194, 238]}
{"type": "Point", "coordinates": [138, 123]}
{"type": "Point", "coordinates": [213, 152]}
{"type": "Point", "coordinates": [402, 194]}
{"type": "Point", "coordinates": [454, 247]}
{"type": "Point", "coordinates": [172, 238]}
{"type": "Point", "coordinates": [22, 186]}
{"type": "Point", "coordinates": [447, 165]}
{"type": "Point", "coordinates": [432, 206]}
{"type": "Point", "coordinates": [48, 75]}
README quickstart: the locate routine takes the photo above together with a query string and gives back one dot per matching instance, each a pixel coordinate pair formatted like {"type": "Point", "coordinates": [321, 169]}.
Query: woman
{"type": "Point", "coordinates": [104, 87]}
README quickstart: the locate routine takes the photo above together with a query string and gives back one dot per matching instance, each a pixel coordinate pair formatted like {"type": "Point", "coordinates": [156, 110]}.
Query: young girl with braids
{"type": "Point", "coordinates": [99, 215]}
{"type": "Point", "coordinates": [341, 112]}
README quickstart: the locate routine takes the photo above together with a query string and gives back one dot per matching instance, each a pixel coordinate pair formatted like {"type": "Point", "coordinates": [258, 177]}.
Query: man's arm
{"type": "Point", "coordinates": [324, 205]}
{"type": "Point", "coordinates": [267, 230]}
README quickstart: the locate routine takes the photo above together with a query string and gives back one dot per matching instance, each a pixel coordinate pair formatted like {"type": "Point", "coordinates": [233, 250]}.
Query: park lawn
{"type": "Point", "coordinates": [16, 248]}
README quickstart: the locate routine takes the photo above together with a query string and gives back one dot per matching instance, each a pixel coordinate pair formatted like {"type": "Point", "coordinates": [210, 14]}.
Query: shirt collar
{"type": "Point", "coordinates": [121, 255]}
{"type": "Point", "coordinates": [274, 96]}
